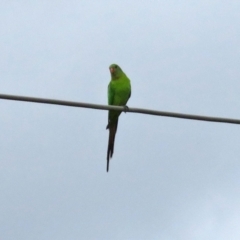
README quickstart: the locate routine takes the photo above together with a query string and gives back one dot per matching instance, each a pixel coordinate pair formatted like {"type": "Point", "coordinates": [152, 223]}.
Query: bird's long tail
{"type": "Point", "coordinates": [112, 132]}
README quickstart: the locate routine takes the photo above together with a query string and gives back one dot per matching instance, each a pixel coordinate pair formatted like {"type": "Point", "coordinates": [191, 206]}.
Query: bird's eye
{"type": "Point", "coordinates": [116, 66]}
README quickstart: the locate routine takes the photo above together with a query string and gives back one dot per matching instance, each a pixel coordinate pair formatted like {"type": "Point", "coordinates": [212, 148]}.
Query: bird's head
{"type": "Point", "coordinates": [115, 71]}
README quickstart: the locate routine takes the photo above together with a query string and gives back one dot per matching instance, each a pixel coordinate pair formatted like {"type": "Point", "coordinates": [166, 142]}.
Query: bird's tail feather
{"type": "Point", "coordinates": [112, 133]}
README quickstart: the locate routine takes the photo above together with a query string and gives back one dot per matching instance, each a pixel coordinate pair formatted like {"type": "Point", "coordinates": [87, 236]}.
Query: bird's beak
{"type": "Point", "coordinates": [112, 70]}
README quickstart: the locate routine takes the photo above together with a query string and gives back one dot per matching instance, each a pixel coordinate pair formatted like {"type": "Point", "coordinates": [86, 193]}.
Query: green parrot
{"type": "Point", "coordinates": [119, 91]}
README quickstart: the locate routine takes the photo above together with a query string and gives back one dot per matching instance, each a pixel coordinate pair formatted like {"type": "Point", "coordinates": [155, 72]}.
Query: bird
{"type": "Point", "coordinates": [119, 91]}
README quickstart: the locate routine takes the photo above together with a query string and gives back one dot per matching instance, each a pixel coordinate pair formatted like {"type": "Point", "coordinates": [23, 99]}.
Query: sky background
{"type": "Point", "coordinates": [169, 178]}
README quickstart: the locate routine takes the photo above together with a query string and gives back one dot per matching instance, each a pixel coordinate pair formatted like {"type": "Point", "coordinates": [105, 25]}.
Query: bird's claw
{"type": "Point", "coordinates": [126, 108]}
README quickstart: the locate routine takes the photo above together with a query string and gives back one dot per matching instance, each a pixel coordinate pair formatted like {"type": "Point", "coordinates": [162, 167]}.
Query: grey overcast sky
{"type": "Point", "coordinates": [169, 178]}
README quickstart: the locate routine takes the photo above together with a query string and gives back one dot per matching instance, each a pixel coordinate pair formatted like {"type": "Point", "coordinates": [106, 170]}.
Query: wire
{"type": "Point", "coordinates": [119, 108]}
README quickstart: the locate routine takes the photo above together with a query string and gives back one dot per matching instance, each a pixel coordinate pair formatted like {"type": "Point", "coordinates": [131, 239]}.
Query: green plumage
{"type": "Point", "coordinates": [119, 91]}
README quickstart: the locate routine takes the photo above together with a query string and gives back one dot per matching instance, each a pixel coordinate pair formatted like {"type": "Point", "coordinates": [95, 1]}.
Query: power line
{"type": "Point", "coordinates": [107, 107]}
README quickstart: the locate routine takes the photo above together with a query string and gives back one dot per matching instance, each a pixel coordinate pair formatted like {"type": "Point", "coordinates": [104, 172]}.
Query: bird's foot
{"type": "Point", "coordinates": [126, 108]}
